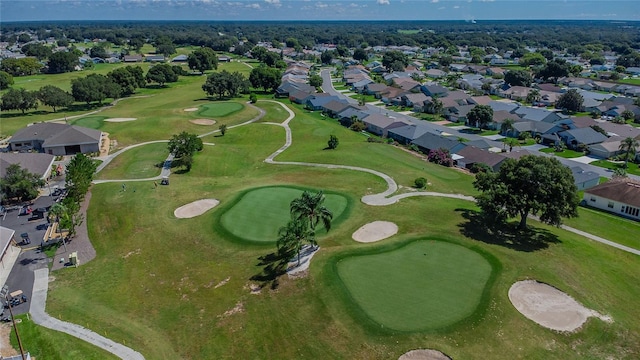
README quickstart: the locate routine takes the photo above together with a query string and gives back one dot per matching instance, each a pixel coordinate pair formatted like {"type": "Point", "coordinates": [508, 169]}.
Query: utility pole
{"type": "Point", "coordinates": [24, 357]}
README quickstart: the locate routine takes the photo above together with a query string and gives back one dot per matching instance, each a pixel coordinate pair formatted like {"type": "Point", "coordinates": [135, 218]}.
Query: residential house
{"type": "Point", "coordinates": [180, 58]}
{"type": "Point", "coordinates": [619, 196]}
{"type": "Point", "coordinates": [433, 89]}
{"type": "Point", "coordinates": [535, 128]}
{"type": "Point", "coordinates": [536, 114]}
{"type": "Point", "coordinates": [347, 115]}
{"type": "Point", "coordinates": [583, 121]}
{"type": "Point", "coordinates": [435, 73]}
{"type": "Point", "coordinates": [154, 58]}
{"type": "Point", "coordinates": [606, 149]}
{"type": "Point", "coordinates": [56, 139]}
{"type": "Point", "coordinates": [430, 141]}
{"type": "Point", "coordinates": [584, 179]}
{"type": "Point", "coordinates": [415, 101]}
{"type": "Point", "coordinates": [581, 138]}
{"type": "Point", "coordinates": [407, 133]}
{"type": "Point", "coordinates": [379, 124]}
{"type": "Point", "coordinates": [319, 100]}
{"type": "Point", "coordinates": [133, 58]}
{"type": "Point", "coordinates": [471, 155]}
{"type": "Point", "coordinates": [334, 107]}
{"type": "Point", "coordinates": [495, 71]}
{"type": "Point", "coordinates": [374, 89]}
{"type": "Point", "coordinates": [518, 93]}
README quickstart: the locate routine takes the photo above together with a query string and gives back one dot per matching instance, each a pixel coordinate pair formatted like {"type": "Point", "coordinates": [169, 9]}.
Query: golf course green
{"type": "Point", "coordinates": [219, 109]}
{"type": "Point", "coordinates": [259, 213]}
{"type": "Point", "coordinates": [425, 285]}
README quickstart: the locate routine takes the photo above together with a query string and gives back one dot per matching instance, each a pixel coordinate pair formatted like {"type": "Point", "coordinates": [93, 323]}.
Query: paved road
{"type": "Point", "coordinates": [40, 317]}
{"type": "Point", "coordinates": [327, 86]}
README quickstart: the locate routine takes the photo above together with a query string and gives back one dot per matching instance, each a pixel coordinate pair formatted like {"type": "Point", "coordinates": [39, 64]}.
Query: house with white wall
{"type": "Point", "coordinates": [618, 196]}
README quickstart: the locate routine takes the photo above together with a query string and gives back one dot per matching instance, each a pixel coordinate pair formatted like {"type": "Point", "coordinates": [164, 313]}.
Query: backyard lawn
{"type": "Point", "coordinates": [566, 153]}
{"type": "Point", "coordinates": [632, 168]}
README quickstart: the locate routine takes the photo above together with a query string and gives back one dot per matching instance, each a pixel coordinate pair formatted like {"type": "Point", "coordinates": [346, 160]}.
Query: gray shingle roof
{"type": "Point", "coordinates": [34, 163]}
{"type": "Point", "coordinates": [623, 190]}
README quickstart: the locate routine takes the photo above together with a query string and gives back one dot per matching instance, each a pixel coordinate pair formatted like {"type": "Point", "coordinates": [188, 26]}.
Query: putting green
{"type": "Point", "coordinates": [92, 122]}
{"type": "Point", "coordinates": [259, 214]}
{"type": "Point", "coordinates": [219, 109]}
{"type": "Point", "coordinates": [425, 285]}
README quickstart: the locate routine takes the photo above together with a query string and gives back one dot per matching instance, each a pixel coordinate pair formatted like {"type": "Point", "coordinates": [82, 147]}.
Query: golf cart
{"type": "Point", "coordinates": [165, 180]}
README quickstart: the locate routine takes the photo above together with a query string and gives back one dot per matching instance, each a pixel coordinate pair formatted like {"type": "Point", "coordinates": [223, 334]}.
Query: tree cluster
{"type": "Point", "coordinates": [94, 87]}
{"type": "Point", "coordinates": [19, 99]}
{"type": "Point", "coordinates": [570, 101]}
{"type": "Point", "coordinates": [20, 67]}
{"type": "Point", "coordinates": [226, 84]}
{"type": "Point", "coordinates": [480, 115]}
{"type": "Point", "coordinates": [19, 185]}
{"type": "Point", "coordinates": [183, 146]}
{"type": "Point", "coordinates": [203, 59]}
{"type": "Point", "coordinates": [266, 78]}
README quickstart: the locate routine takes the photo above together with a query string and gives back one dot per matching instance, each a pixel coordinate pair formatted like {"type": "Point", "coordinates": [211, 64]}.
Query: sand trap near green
{"type": "Point", "coordinates": [259, 213]}
{"type": "Point", "coordinates": [219, 109]}
{"type": "Point", "coordinates": [424, 285]}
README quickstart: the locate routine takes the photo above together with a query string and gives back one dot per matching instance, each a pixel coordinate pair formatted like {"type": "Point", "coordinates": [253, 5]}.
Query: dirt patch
{"type": "Point", "coordinates": [550, 307]}
{"type": "Point", "coordinates": [191, 109]}
{"type": "Point", "coordinates": [222, 283]}
{"type": "Point", "coordinates": [299, 269]}
{"type": "Point", "coordinates": [424, 354]}
{"type": "Point", "coordinates": [195, 208]}
{"type": "Point", "coordinates": [120, 119]}
{"type": "Point", "coordinates": [236, 309]}
{"type": "Point", "coordinates": [375, 231]}
{"type": "Point", "coordinates": [207, 122]}
{"type": "Point", "coordinates": [5, 344]}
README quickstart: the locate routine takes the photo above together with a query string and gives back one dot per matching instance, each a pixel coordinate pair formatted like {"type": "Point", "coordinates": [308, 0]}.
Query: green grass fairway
{"type": "Point", "coordinates": [425, 285]}
{"type": "Point", "coordinates": [92, 122]}
{"type": "Point", "coordinates": [259, 213]}
{"type": "Point", "coordinates": [137, 163]}
{"type": "Point", "coordinates": [219, 109]}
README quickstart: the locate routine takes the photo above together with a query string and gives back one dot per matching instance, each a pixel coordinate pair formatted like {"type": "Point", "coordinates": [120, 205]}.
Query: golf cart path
{"type": "Point", "coordinates": [108, 106]}
{"type": "Point", "coordinates": [40, 317]}
{"type": "Point", "coordinates": [166, 168]}
{"type": "Point", "coordinates": [382, 199]}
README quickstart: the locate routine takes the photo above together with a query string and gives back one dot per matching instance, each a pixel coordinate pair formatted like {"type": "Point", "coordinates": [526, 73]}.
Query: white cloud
{"type": "Point", "coordinates": [434, 1]}
{"type": "Point", "coordinates": [382, 2]}
{"type": "Point", "coordinates": [321, 5]}
{"type": "Point", "coordinates": [456, 7]}
{"type": "Point", "coordinates": [442, 7]}
{"type": "Point", "coordinates": [275, 3]}
{"type": "Point", "coordinates": [253, 6]}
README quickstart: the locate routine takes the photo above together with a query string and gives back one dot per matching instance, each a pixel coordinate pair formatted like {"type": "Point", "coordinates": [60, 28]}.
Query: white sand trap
{"type": "Point", "coordinates": [120, 119]}
{"type": "Point", "coordinates": [424, 354]}
{"type": "Point", "coordinates": [375, 231]}
{"type": "Point", "coordinates": [306, 254]}
{"type": "Point", "coordinates": [195, 208]}
{"type": "Point", "coordinates": [191, 109]}
{"type": "Point", "coordinates": [550, 307]}
{"type": "Point", "coordinates": [203, 121]}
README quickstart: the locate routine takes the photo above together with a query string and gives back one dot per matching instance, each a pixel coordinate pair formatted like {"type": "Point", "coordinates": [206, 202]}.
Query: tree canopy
{"type": "Point", "coordinates": [161, 74]}
{"type": "Point", "coordinates": [20, 67]}
{"type": "Point", "coordinates": [480, 115]}
{"type": "Point", "coordinates": [265, 77]}
{"type": "Point", "coordinates": [533, 185]}
{"type": "Point", "coordinates": [6, 80]}
{"type": "Point", "coordinates": [19, 99]}
{"type": "Point", "coordinates": [129, 78]}
{"type": "Point", "coordinates": [203, 59]}
{"type": "Point", "coordinates": [518, 78]}
{"type": "Point", "coordinates": [183, 146]}
{"type": "Point", "coordinates": [571, 101]}
{"type": "Point", "coordinates": [394, 59]}
{"type": "Point", "coordinates": [54, 96]}
{"type": "Point", "coordinates": [94, 87]}
{"type": "Point", "coordinates": [19, 184]}
{"type": "Point", "coordinates": [79, 175]}
{"type": "Point", "coordinates": [224, 83]}
{"type": "Point", "coordinates": [62, 62]}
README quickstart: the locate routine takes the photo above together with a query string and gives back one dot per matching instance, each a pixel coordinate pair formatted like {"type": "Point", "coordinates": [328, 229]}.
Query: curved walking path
{"type": "Point", "coordinates": [40, 317]}
{"type": "Point", "coordinates": [382, 199]}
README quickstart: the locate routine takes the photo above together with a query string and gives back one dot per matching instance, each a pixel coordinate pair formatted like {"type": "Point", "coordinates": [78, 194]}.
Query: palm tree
{"type": "Point", "coordinates": [310, 206]}
{"type": "Point", "coordinates": [507, 126]}
{"type": "Point", "coordinates": [628, 145]}
{"type": "Point", "coordinates": [292, 236]}
{"type": "Point", "coordinates": [511, 142]}
{"type": "Point", "coordinates": [533, 96]}
{"type": "Point", "coordinates": [436, 105]}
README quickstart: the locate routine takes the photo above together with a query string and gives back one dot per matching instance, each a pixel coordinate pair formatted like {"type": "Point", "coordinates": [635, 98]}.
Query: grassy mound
{"type": "Point", "coordinates": [425, 285]}
{"type": "Point", "coordinates": [220, 109]}
{"type": "Point", "coordinates": [259, 213]}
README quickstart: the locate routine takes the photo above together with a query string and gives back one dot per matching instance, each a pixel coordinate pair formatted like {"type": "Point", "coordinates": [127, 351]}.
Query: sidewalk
{"type": "Point", "coordinates": [40, 317]}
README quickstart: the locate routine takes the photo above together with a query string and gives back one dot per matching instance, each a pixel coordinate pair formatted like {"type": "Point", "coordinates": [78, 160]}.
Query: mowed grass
{"type": "Point", "coordinates": [608, 226]}
{"type": "Point", "coordinates": [219, 109]}
{"type": "Point", "coordinates": [136, 163]}
{"type": "Point", "coordinates": [259, 213]}
{"type": "Point", "coordinates": [43, 343]}
{"type": "Point", "coordinates": [425, 285]}
{"type": "Point", "coordinates": [167, 286]}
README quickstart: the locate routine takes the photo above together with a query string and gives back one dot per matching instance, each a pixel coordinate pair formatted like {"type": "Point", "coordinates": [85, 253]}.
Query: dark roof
{"type": "Point", "coordinates": [586, 135]}
{"type": "Point", "coordinates": [517, 154]}
{"type": "Point", "coordinates": [537, 126]}
{"type": "Point", "coordinates": [581, 176]}
{"type": "Point", "coordinates": [336, 106]}
{"type": "Point", "coordinates": [35, 163]}
{"type": "Point", "coordinates": [473, 154]}
{"type": "Point", "coordinates": [321, 100]}
{"type": "Point", "coordinates": [432, 141]}
{"type": "Point", "coordinates": [623, 190]}
{"type": "Point", "coordinates": [52, 134]}
{"type": "Point", "coordinates": [351, 111]}
{"type": "Point", "coordinates": [410, 132]}
{"type": "Point", "coordinates": [583, 121]}
{"type": "Point", "coordinates": [480, 144]}
{"type": "Point", "coordinates": [376, 87]}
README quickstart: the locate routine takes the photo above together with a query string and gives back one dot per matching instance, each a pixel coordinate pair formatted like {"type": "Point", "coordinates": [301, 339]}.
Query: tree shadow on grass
{"type": "Point", "coordinates": [478, 227]}
{"type": "Point", "coordinates": [274, 265]}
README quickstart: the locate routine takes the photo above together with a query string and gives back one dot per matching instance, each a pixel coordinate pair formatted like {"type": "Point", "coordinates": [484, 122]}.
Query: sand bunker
{"type": "Point", "coordinates": [375, 231]}
{"type": "Point", "coordinates": [296, 269]}
{"type": "Point", "coordinates": [549, 307]}
{"type": "Point", "coordinates": [120, 119]}
{"type": "Point", "coordinates": [195, 208]}
{"type": "Point", "coordinates": [424, 354]}
{"type": "Point", "coordinates": [203, 121]}
{"type": "Point", "coordinates": [191, 109]}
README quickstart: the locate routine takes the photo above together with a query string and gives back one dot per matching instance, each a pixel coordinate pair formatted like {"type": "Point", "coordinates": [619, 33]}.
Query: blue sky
{"type": "Point", "coordinates": [29, 10]}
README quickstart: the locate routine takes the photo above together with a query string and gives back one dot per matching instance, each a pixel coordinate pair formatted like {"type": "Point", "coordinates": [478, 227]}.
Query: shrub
{"type": "Point", "coordinates": [420, 183]}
